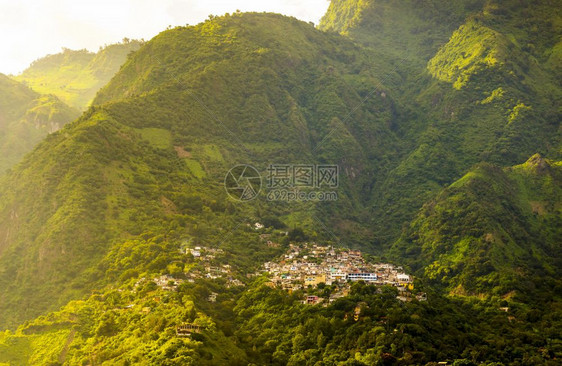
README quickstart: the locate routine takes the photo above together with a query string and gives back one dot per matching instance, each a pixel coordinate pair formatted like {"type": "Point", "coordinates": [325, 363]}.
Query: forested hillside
{"type": "Point", "coordinates": [482, 82]}
{"type": "Point", "coordinates": [493, 231]}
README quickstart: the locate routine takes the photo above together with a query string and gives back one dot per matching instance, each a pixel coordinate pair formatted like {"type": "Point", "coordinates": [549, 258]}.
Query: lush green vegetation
{"type": "Point", "coordinates": [278, 329]}
{"type": "Point", "coordinates": [122, 327]}
{"type": "Point", "coordinates": [477, 83]}
{"type": "Point", "coordinates": [136, 325]}
{"type": "Point", "coordinates": [494, 232]}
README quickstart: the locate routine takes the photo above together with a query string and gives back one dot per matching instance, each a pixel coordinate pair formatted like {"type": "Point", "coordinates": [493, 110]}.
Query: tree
{"type": "Point", "coordinates": [297, 234]}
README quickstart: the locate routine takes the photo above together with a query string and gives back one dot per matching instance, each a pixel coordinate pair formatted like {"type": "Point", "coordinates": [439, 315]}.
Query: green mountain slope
{"type": "Point", "coordinates": [494, 231]}
{"type": "Point", "coordinates": [137, 324]}
{"type": "Point", "coordinates": [483, 82]}
{"type": "Point", "coordinates": [76, 76]}
{"type": "Point", "coordinates": [410, 30]}
{"type": "Point", "coordinates": [25, 118]}
{"type": "Point", "coordinates": [150, 157]}
{"type": "Point", "coordinates": [128, 326]}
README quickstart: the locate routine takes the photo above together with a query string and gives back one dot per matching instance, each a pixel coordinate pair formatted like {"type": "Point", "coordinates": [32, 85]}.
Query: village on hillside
{"type": "Point", "coordinates": [205, 266]}
{"type": "Point", "coordinates": [309, 265]}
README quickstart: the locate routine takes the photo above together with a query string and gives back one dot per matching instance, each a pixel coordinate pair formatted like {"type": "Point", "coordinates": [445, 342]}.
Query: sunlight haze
{"type": "Point", "coordinates": [32, 29]}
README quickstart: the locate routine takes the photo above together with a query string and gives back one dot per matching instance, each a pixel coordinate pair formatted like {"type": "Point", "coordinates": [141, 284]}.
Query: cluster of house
{"type": "Point", "coordinates": [167, 282]}
{"type": "Point", "coordinates": [302, 267]}
{"type": "Point", "coordinates": [204, 253]}
{"type": "Point", "coordinates": [210, 270]}
{"type": "Point", "coordinates": [312, 264]}
{"type": "Point", "coordinates": [207, 268]}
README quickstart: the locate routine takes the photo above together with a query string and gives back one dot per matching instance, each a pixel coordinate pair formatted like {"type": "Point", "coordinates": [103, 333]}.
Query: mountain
{"type": "Point", "coordinates": [50, 93]}
{"type": "Point", "coordinates": [480, 82]}
{"type": "Point", "coordinates": [149, 158]}
{"type": "Point", "coordinates": [495, 231]}
{"type": "Point", "coordinates": [411, 30]}
{"type": "Point", "coordinates": [431, 126]}
{"type": "Point", "coordinates": [25, 118]}
{"type": "Point", "coordinates": [76, 76]}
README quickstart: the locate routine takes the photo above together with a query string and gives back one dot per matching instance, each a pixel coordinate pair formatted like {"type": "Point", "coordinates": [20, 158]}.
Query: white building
{"type": "Point", "coordinates": [196, 252]}
{"type": "Point", "coordinates": [362, 276]}
{"type": "Point", "coordinates": [402, 277]}
{"type": "Point", "coordinates": [337, 276]}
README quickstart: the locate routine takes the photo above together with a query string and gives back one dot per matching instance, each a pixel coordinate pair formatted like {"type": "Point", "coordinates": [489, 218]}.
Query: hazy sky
{"type": "Point", "coordinates": [30, 29]}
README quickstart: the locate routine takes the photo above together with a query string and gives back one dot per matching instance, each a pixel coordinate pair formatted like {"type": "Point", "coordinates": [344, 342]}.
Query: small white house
{"type": "Point", "coordinates": [196, 252]}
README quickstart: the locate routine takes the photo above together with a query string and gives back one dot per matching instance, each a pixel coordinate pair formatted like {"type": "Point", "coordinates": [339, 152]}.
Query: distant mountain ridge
{"type": "Point", "coordinates": [53, 89]}
{"type": "Point", "coordinates": [25, 118]}
{"type": "Point", "coordinates": [76, 76]}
